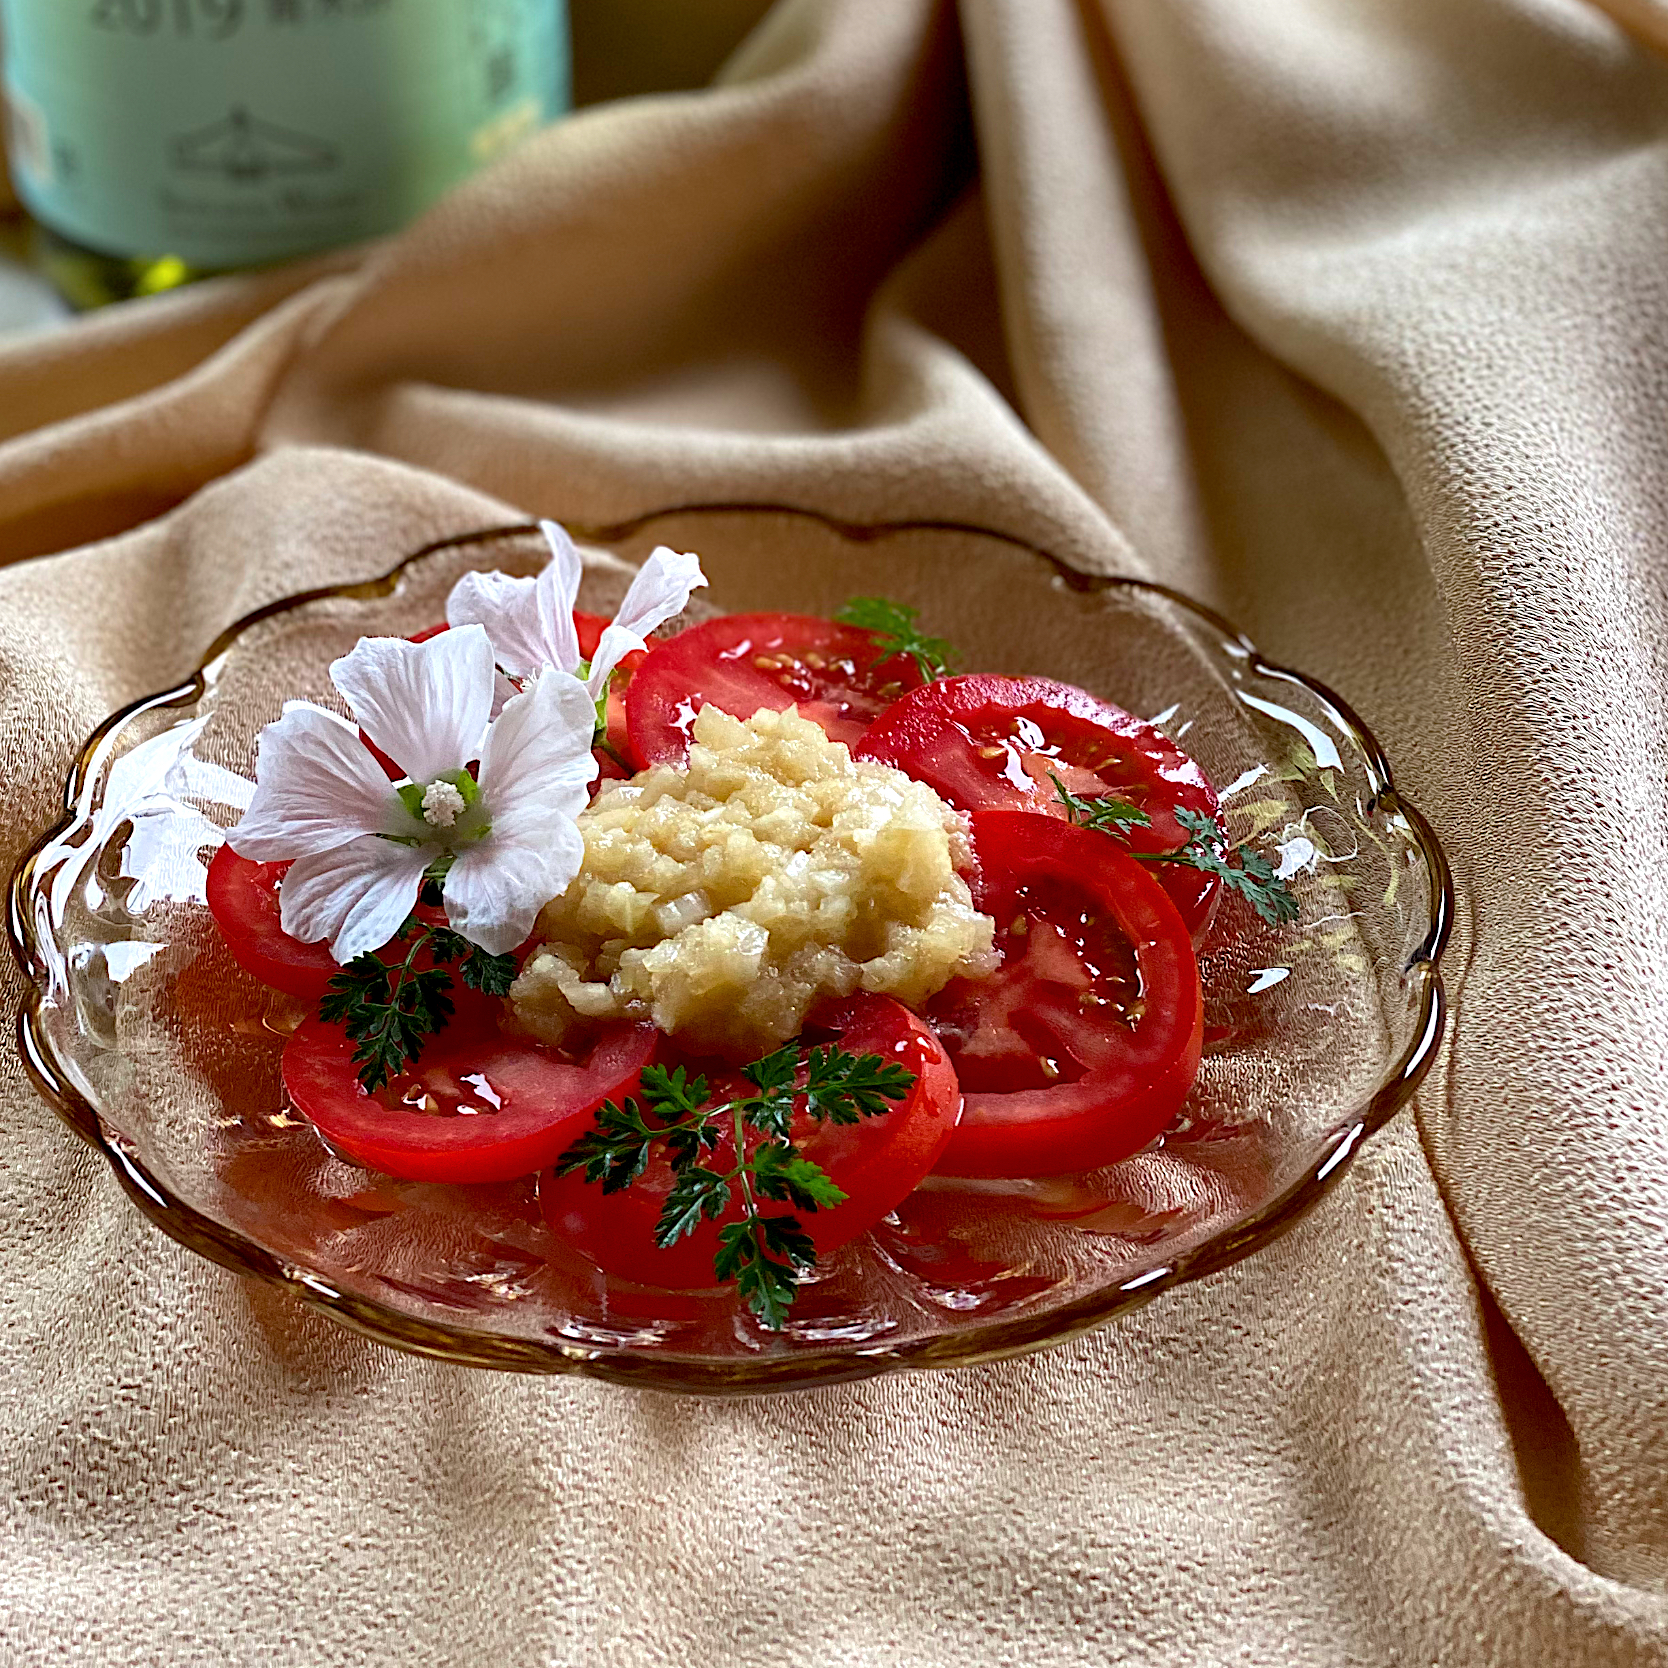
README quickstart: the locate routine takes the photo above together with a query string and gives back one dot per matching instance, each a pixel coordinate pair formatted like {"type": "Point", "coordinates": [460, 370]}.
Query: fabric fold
{"type": "Point", "coordinates": [1350, 320]}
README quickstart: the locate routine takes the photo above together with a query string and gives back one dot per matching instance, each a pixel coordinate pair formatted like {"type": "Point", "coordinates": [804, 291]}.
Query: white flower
{"type": "Point", "coordinates": [530, 621]}
{"type": "Point", "coordinates": [361, 843]}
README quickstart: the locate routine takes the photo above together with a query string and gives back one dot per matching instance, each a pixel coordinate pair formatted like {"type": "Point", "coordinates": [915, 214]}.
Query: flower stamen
{"type": "Point", "coordinates": [442, 804]}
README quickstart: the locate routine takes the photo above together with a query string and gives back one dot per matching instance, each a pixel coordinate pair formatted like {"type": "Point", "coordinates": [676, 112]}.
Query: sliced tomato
{"type": "Point", "coordinates": [1084, 1043]}
{"type": "Point", "coordinates": [984, 741]}
{"type": "Point", "coordinates": [876, 1161]}
{"type": "Point", "coordinates": [744, 662]}
{"type": "Point", "coordinates": [478, 1106]}
{"type": "Point", "coordinates": [242, 897]}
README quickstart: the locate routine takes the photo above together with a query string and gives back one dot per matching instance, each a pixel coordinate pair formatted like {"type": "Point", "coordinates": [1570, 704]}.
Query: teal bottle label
{"type": "Point", "coordinates": [236, 132]}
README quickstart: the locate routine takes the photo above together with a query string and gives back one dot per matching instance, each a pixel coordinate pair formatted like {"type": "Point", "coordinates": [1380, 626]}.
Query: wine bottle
{"type": "Point", "coordinates": [154, 141]}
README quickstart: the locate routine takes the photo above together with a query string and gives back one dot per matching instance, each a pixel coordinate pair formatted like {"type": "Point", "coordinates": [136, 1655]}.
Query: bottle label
{"type": "Point", "coordinates": [235, 132]}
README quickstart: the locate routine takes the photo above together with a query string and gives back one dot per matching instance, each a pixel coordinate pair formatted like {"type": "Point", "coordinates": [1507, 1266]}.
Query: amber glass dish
{"type": "Point", "coordinates": [155, 1048]}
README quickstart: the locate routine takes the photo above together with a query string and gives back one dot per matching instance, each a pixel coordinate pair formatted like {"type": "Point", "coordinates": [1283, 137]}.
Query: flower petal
{"type": "Point", "coordinates": [558, 590]}
{"type": "Point", "coordinates": [508, 609]}
{"type": "Point", "coordinates": [425, 705]}
{"type": "Point", "coordinates": [317, 787]}
{"type": "Point", "coordinates": [495, 890]}
{"type": "Point", "coordinates": [503, 692]}
{"type": "Point", "coordinates": [536, 772]}
{"type": "Point", "coordinates": [660, 589]}
{"type": "Point", "coordinates": [612, 647]}
{"type": "Point", "coordinates": [357, 896]}
{"type": "Point", "coordinates": [537, 762]}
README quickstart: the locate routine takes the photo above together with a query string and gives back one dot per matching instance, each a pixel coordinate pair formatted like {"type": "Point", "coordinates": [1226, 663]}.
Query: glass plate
{"type": "Point", "coordinates": [157, 1050]}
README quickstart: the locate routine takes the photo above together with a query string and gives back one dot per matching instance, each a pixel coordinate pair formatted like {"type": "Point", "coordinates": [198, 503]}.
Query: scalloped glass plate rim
{"type": "Point", "coordinates": [992, 1341]}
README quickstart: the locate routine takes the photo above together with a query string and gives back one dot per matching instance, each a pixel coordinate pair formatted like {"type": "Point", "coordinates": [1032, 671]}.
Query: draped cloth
{"type": "Point", "coordinates": [1349, 317]}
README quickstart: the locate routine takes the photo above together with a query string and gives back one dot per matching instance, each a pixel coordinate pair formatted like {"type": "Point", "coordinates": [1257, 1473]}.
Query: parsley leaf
{"type": "Point", "coordinates": [1252, 876]}
{"type": "Point", "coordinates": [770, 1074]}
{"type": "Point", "coordinates": [762, 1255]}
{"type": "Point", "coordinates": [673, 1093]}
{"type": "Point", "coordinates": [782, 1172]}
{"type": "Point", "coordinates": [492, 975]}
{"type": "Point", "coordinates": [893, 628]}
{"type": "Point", "coordinates": [387, 1011]}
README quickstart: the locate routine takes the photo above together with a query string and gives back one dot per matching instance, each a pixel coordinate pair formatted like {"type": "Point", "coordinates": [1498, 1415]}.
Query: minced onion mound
{"type": "Point", "coordinates": [723, 901]}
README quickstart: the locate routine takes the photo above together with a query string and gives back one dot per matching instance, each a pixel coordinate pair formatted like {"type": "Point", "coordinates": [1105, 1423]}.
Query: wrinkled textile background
{"type": "Point", "coordinates": [1350, 316]}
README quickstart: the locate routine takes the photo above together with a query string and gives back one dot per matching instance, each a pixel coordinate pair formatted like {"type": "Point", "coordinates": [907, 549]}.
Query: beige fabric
{"type": "Point", "coordinates": [1349, 315]}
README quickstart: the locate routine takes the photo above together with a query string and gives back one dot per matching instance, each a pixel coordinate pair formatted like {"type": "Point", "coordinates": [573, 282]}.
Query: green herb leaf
{"type": "Point", "coordinates": [444, 944]}
{"type": "Point", "coordinates": [771, 1110]}
{"type": "Point", "coordinates": [491, 975]}
{"type": "Point", "coordinates": [782, 1172]}
{"type": "Point", "coordinates": [783, 1237]}
{"type": "Point", "coordinates": [845, 1087]}
{"type": "Point", "coordinates": [1206, 849]}
{"type": "Point", "coordinates": [388, 1012]}
{"type": "Point", "coordinates": [760, 1253]}
{"type": "Point", "coordinates": [678, 1101]}
{"type": "Point", "coordinates": [1253, 877]}
{"type": "Point", "coordinates": [391, 1009]}
{"type": "Point", "coordinates": [893, 628]}
{"type": "Point", "coordinates": [695, 1194]}
{"type": "Point", "coordinates": [771, 1073]}
{"type": "Point", "coordinates": [616, 1151]}
{"type": "Point", "coordinates": [1110, 815]}
{"type": "Point", "coordinates": [674, 1094]}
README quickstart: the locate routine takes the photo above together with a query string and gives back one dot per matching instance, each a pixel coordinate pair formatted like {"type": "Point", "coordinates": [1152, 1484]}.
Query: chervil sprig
{"type": "Point", "coordinates": [1252, 876]}
{"type": "Point", "coordinates": [763, 1254]}
{"type": "Point", "coordinates": [893, 628]}
{"type": "Point", "coordinates": [391, 1009]}
{"type": "Point", "coordinates": [1109, 815]}
{"type": "Point", "coordinates": [1206, 849]}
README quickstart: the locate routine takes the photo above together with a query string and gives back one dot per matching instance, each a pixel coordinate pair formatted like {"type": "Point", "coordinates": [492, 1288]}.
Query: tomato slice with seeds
{"type": "Point", "coordinates": [1084, 1043]}
{"type": "Point", "coordinates": [877, 1161]}
{"type": "Point", "coordinates": [477, 1106]}
{"type": "Point", "coordinates": [983, 741]}
{"type": "Point", "coordinates": [744, 662]}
